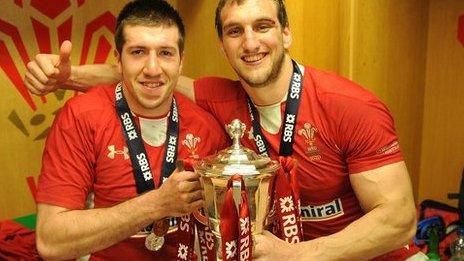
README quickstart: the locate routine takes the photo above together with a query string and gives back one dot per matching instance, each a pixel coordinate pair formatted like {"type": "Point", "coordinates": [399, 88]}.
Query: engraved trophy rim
{"type": "Point", "coordinates": [236, 159]}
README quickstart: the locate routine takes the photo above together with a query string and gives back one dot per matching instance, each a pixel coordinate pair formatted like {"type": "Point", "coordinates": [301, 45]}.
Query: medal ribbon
{"type": "Point", "coordinates": [287, 190]}
{"type": "Point", "coordinates": [141, 166]}
{"type": "Point", "coordinates": [186, 232]}
{"type": "Point", "coordinates": [244, 238]}
{"type": "Point", "coordinates": [138, 155]}
{"type": "Point", "coordinates": [287, 202]}
{"type": "Point", "coordinates": [290, 117]}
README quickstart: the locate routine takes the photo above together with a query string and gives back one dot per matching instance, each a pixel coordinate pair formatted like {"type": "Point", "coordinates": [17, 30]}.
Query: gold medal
{"type": "Point", "coordinates": [155, 240]}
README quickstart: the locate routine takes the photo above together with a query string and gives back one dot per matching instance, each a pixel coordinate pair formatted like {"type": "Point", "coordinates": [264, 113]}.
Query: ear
{"type": "Point", "coordinates": [118, 59]}
{"type": "Point", "coordinates": [181, 65]}
{"type": "Point", "coordinates": [287, 37]}
{"type": "Point", "coordinates": [221, 47]}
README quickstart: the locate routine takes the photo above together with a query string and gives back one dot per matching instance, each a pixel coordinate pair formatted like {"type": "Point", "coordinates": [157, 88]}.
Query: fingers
{"type": "Point", "coordinates": [34, 86]}
{"type": "Point", "coordinates": [186, 175]}
{"type": "Point", "coordinates": [267, 233]}
{"type": "Point", "coordinates": [39, 75]}
{"type": "Point", "coordinates": [189, 186]}
{"type": "Point", "coordinates": [257, 250]}
{"type": "Point", "coordinates": [190, 191]}
{"type": "Point", "coordinates": [196, 205]}
{"type": "Point", "coordinates": [37, 72]}
{"type": "Point", "coordinates": [261, 243]}
{"type": "Point", "coordinates": [46, 63]}
{"type": "Point", "coordinates": [182, 193]}
{"type": "Point", "coordinates": [193, 196]}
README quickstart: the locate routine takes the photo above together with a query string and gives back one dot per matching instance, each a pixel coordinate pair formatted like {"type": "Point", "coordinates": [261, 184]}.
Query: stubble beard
{"type": "Point", "coordinates": [270, 78]}
{"type": "Point", "coordinates": [148, 103]}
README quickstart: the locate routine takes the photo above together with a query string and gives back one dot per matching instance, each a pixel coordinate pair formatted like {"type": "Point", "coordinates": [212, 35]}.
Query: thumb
{"type": "Point", "coordinates": [63, 67]}
{"type": "Point", "coordinates": [65, 52]}
{"type": "Point", "coordinates": [267, 233]}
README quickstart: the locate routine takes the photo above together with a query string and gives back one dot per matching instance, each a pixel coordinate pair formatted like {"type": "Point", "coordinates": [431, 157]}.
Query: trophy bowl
{"type": "Point", "coordinates": [256, 172]}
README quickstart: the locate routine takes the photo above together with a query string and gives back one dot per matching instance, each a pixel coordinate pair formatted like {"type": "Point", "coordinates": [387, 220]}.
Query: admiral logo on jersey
{"type": "Point", "coordinates": [322, 212]}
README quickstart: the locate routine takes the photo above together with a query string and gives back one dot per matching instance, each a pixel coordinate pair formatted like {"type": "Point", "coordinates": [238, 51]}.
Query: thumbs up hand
{"type": "Point", "coordinates": [47, 72]}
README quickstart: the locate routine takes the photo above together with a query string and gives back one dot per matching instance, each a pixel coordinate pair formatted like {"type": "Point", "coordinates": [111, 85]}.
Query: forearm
{"type": "Point", "coordinates": [84, 77]}
{"type": "Point", "coordinates": [185, 87]}
{"type": "Point", "coordinates": [74, 233]}
{"type": "Point", "coordinates": [383, 229]}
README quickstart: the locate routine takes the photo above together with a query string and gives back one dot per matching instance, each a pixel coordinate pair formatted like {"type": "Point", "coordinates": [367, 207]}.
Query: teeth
{"type": "Point", "coordinates": [253, 58]}
{"type": "Point", "coordinates": [152, 84]}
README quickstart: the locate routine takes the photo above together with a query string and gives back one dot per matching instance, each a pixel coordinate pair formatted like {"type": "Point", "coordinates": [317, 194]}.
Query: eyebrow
{"type": "Point", "coordinates": [266, 20]}
{"type": "Point", "coordinates": [145, 47]}
{"type": "Point", "coordinates": [260, 20]}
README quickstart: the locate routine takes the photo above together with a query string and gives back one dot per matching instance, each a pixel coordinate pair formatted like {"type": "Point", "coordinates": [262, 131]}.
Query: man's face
{"type": "Point", "coordinates": [150, 63]}
{"type": "Point", "coordinates": [253, 40]}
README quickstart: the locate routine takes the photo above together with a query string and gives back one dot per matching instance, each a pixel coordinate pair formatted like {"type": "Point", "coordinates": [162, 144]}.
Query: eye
{"type": "Point", "coordinates": [263, 27]}
{"type": "Point", "coordinates": [137, 52]}
{"type": "Point", "coordinates": [166, 53]}
{"type": "Point", "coordinates": [234, 32]}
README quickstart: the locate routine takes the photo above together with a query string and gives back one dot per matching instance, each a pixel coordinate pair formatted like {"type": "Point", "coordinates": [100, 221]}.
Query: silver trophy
{"type": "Point", "coordinates": [257, 173]}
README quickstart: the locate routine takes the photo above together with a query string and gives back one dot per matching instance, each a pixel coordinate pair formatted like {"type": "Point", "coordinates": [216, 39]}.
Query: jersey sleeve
{"type": "Point", "coordinates": [204, 89]}
{"type": "Point", "coordinates": [219, 96]}
{"type": "Point", "coordinates": [66, 176]}
{"type": "Point", "coordinates": [211, 133]}
{"type": "Point", "coordinates": [367, 133]}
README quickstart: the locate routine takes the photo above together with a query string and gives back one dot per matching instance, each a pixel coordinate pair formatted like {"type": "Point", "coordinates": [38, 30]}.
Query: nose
{"type": "Point", "coordinates": [250, 41]}
{"type": "Point", "coordinates": [152, 66]}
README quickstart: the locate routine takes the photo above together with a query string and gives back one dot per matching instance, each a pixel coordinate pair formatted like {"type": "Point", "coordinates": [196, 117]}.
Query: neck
{"type": "Point", "coordinates": [152, 116]}
{"type": "Point", "coordinates": [275, 91]}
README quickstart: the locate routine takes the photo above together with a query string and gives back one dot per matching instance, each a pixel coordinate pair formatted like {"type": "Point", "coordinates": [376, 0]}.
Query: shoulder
{"type": "Point", "coordinates": [336, 92]}
{"type": "Point", "coordinates": [197, 122]}
{"type": "Point", "coordinates": [192, 114]}
{"type": "Point", "coordinates": [98, 102]}
{"type": "Point", "coordinates": [215, 81]}
{"type": "Point", "coordinates": [97, 98]}
{"type": "Point", "coordinates": [218, 88]}
{"type": "Point", "coordinates": [331, 84]}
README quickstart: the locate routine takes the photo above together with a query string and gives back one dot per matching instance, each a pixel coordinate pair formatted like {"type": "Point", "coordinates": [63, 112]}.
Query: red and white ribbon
{"type": "Point", "coordinates": [244, 238]}
{"type": "Point", "coordinates": [287, 202]}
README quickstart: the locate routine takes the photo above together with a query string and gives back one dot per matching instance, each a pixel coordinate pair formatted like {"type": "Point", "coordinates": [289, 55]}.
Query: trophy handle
{"type": "Point", "coordinates": [201, 217]}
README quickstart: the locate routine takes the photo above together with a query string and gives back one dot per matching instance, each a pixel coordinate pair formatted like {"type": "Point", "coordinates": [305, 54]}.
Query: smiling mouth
{"type": "Point", "coordinates": [151, 84]}
{"type": "Point", "coordinates": [255, 58]}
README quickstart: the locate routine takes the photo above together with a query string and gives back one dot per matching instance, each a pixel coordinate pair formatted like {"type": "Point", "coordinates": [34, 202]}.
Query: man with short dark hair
{"type": "Point", "coordinates": [121, 143]}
